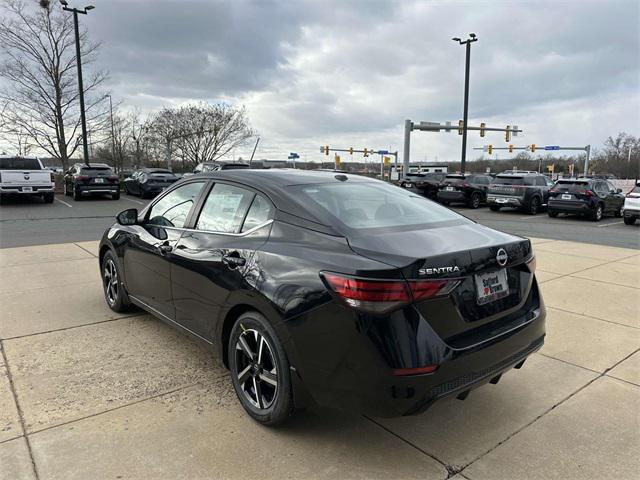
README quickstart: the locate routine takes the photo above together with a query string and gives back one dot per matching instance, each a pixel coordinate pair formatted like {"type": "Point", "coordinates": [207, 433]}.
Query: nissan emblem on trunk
{"type": "Point", "coordinates": [502, 257]}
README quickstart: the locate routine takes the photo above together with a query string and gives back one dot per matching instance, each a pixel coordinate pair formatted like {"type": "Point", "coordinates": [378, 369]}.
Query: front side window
{"type": "Point", "coordinates": [173, 209]}
{"type": "Point", "coordinates": [225, 209]}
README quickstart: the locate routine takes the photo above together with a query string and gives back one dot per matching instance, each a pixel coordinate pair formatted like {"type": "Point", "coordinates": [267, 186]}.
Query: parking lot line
{"type": "Point", "coordinates": [134, 201]}
{"type": "Point", "coordinates": [64, 203]}
{"type": "Point", "coordinates": [609, 224]}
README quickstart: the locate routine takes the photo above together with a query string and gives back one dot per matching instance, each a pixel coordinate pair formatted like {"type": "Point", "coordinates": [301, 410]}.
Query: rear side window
{"type": "Point", "coordinates": [173, 209]}
{"type": "Point", "coordinates": [260, 212]}
{"type": "Point", "coordinates": [370, 205]}
{"type": "Point", "coordinates": [19, 164]}
{"type": "Point", "coordinates": [225, 209]}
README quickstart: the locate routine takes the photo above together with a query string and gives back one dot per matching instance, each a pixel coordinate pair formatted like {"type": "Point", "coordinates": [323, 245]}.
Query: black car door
{"type": "Point", "coordinates": [616, 198]}
{"type": "Point", "coordinates": [212, 258]}
{"type": "Point", "coordinates": [148, 254]}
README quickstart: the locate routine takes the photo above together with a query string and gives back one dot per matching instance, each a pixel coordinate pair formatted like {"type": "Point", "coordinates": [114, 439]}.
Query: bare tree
{"type": "Point", "coordinates": [201, 132]}
{"type": "Point", "coordinates": [39, 66]}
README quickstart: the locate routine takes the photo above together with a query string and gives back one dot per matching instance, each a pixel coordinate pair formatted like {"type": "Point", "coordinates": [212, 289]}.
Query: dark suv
{"type": "Point", "coordinates": [524, 190]}
{"type": "Point", "coordinates": [95, 179]}
{"type": "Point", "coordinates": [470, 189]}
{"type": "Point", "coordinates": [591, 197]}
{"type": "Point", "coordinates": [426, 184]}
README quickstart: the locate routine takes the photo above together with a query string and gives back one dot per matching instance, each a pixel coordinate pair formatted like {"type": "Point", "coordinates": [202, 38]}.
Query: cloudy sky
{"type": "Point", "coordinates": [349, 73]}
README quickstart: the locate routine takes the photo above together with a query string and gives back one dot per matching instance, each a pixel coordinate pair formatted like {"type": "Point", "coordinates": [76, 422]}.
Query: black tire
{"type": "Point", "coordinates": [48, 197]}
{"type": "Point", "coordinates": [618, 212]}
{"type": "Point", "coordinates": [264, 401]}
{"type": "Point", "coordinates": [64, 189]}
{"type": "Point", "coordinates": [115, 196]}
{"type": "Point", "coordinates": [114, 293]}
{"type": "Point", "coordinates": [445, 202]}
{"type": "Point", "coordinates": [597, 215]}
{"type": "Point", "coordinates": [474, 201]}
{"type": "Point", "coordinates": [552, 213]}
{"type": "Point", "coordinates": [76, 194]}
{"type": "Point", "coordinates": [534, 206]}
{"type": "Point", "coordinates": [495, 208]}
{"type": "Point", "coordinates": [629, 220]}
{"type": "Point", "coordinates": [126, 190]}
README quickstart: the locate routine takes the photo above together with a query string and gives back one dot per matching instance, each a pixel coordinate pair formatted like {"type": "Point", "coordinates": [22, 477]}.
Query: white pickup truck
{"type": "Point", "coordinates": [25, 176]}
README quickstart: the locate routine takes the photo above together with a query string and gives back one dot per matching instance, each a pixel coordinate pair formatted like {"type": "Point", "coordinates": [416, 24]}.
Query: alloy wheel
{"type": "Point", "coordinates": [110, 279]}
{"type": "Point", "coordinates": [598, 213]}
{"type": "Point", "coordinates": [256, 368]}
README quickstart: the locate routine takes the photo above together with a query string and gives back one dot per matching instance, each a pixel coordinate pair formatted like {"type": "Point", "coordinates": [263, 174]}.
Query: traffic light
{"type": "Point", "coordinates": [510, 148]}
{"type": "Point", "coordinates": [482, 132]}
{"type": "Point", "coordinates": [366, 152]}
{"type": "Point", "coordinates": [490, 149]}
{"type": "Point", "coordinates": [387, 161]}
{"type": "Point", "coordinates": [551, 167]}
{"type": "Point", "coordinates": [571, 169]}
{"type": "Point", "coordinates": [507, 134]}
{"type": "Point", "coordinates": [533, 147]}
{"type": "Point", "coordinates": [326, 150]}
{"type": "Point", "coordinates": [337, 160]}
{"type": "Point", "coordinates": [460, 127]}
{"type": "Point", "coordinates": [350, 150]}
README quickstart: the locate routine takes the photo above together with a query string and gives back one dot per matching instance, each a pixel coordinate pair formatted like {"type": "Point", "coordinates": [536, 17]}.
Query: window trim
{"type": "Point", "coordinates": [204, 201]}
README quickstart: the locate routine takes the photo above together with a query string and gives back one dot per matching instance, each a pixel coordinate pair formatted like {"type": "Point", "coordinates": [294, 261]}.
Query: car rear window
{"type": "Point", "coordinates": [508, 180]}
{"type": "Point", "coordinates": [454, 178]}
{"type": "Point", "coordinates": [19, 164]}
{"type": "Point", "coordinates": [636, 189]}
{"type": "Point", "coordinates": [94, 170]}
{"type": "Point", "coordinates": [371, 205]}
{"type": "Point", "coordinates": [570, 186]}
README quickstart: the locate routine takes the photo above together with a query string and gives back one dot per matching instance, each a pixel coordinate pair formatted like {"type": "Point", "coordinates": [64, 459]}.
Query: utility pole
{"type": "Point", "coordinates": [465, 116]}
{"type": "Point", "coordinates": [65, 6]}
{"type": "Point", "coordinates": [113, 132]}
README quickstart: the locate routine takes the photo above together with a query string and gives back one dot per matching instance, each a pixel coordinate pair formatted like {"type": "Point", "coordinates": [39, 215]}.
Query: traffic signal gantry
{"type": "Point", "coordinates": [384, 159]}
{"type": "Point", "coordinates": [533, 147]}
{"type": "Point", "coordinates": [409, 126]}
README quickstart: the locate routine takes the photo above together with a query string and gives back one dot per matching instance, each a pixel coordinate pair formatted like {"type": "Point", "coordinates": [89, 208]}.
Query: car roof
{"type": "Point", "coordinates": [101, 165]}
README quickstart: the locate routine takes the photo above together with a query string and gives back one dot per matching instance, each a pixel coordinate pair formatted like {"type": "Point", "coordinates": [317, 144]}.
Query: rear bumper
{"type": "Point", "coordinates": [19, 189]}
{"type": "Point", "coordinates": [569, 207]}
{"type": "Point", "coordinates": [96, 189]}
{"type": "Point", "coordinates": [504, 200]}
{"type": "Point", "coordinates": [343, 366]}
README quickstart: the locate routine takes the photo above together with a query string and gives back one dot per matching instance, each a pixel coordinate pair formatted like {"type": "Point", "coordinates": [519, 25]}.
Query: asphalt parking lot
{"type": "Point", "coordinates": [89, 393]}
{"type": "Point", "coordinates": [24, 222]}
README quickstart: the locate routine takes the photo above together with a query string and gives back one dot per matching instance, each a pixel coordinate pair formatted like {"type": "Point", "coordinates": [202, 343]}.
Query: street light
{"type": "Point", "coordinates": [113, 133]}
{"type": "Point", "coordinates": [65, 6]}
{"type": "Point", "coordinates": [472, 38]}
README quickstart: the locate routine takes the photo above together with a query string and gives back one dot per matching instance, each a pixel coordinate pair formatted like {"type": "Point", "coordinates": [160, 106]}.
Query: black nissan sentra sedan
{"type": "Point", "coordinates": [323, 288]}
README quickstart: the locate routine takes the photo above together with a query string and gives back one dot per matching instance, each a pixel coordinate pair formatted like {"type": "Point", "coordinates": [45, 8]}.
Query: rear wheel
{"type": "Point", "coordinates": [597, 215]}
{"type": "Point", "coordinates": [76, 194]}
{"type": "Point", "coordinates": [534, 206]}
{"type": "Point", "coordinates": [474, 201]}
{"type": "Point", "coordinates": [494, 208]}
{"type": "Point", "coordinates": [552, 213]}
{"type": "Point", "coordinates": [629, 220]}
{"type": "Point", "coordinates": [260, 370]}
{"type": "Point", "coordinates": [618, 212]}
{"type": "Point", "coordinates": [115, 196]}
{"type": "Point", "coordinates": [48, 197]}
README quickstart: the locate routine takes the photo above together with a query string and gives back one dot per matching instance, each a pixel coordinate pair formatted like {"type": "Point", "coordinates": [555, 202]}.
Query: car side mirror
{"type": "Point", "coordinates": [128, 217]}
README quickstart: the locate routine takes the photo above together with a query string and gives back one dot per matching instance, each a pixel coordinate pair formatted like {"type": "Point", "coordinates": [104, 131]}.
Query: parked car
{"type": "Point", "coordinates": [148, 182]}
{"type": "Point", "coordinates": [584, 196]}
{"type": "Point", "coordinates": [25, 176]}
{"type": "Point", "coordinates": [631, 207]}
{"type": "Point", "coordinates": [317, 288]}
{"type": "Point", "coordinates": [470, 188]}
{"type": "Point", "coordinates": [426, 184]}
{"type": "Point", "coordinates": [205, 167]}
{"type": "Point", "coordinates": [95, 179]}
{"type": "Point", "coordinates": [526, 191]}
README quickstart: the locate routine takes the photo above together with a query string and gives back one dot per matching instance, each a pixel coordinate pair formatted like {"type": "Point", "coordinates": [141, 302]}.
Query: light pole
{"type": "Point", "coordinates": [65, 6]}
{"type": "Point", "coordinates": [472, 38]}
{"type": "Point", "coordinates": [113, 132]}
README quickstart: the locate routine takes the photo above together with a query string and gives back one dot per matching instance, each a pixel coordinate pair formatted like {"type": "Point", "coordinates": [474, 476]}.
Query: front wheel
{"type": "Point", "coordinates": [629, 220]}
{"type": "Point", "coordinates": [552, 213]}
{"type": "Point", "coordinates": [114, 293]}
{"type": "Point", "coordinates": [260, 370]}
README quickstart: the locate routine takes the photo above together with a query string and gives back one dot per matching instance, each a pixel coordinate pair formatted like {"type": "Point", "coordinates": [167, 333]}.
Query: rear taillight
{"type": "Point", "coordinates": [381, 296]}
{"type": "Point", "coordinates": [465, 184]}
{"type": "Point", "coordinates": [113, 178]}
{"type": "Point", "coordinates": [402, 372]}
{"type": "Point", "coordinates": [586, 193]}
{"type": "Point", "coordinates": [532, 263]}
{"type": "Point", "coordinates": [53, 179]}
{"type": "Point", "coordinates": [82, 178]}
{"type": "Point", "coordinates": [552, 190]}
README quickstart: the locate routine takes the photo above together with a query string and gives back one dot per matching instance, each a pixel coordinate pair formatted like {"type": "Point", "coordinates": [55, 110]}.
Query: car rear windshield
{"type": "Point", "coordinates": [160, 171]}
{"type": "Point", "coordinates": [571, 186]}
{"type": "Point", "coordinates": [19, 164]}
{"type": "Point", "coordinates": [454, 178]}
{"type": "Point", "coordinates": [234, 166]}
{"type": "Point", "coordinates": [636, 189]}
{"type": "Point", "coordinates": [508, 180]}
{"type": "Point", "coordinates": [371, 205]}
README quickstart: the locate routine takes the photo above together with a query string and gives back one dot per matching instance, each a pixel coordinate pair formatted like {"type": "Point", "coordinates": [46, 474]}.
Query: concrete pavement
{"type": "Point", "coordinates": [87, 393]}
